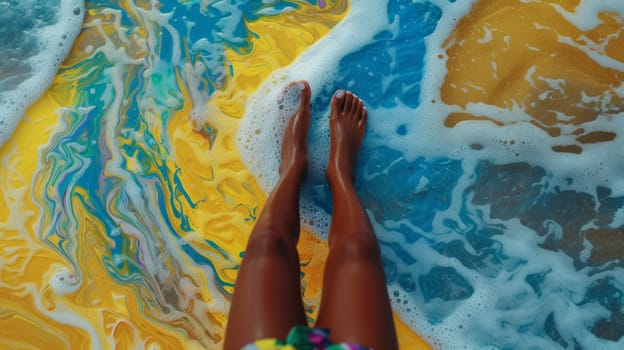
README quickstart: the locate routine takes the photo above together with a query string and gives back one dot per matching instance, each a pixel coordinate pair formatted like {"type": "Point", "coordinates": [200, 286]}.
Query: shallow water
{"type": "Point", "coordinates": [491, 170]}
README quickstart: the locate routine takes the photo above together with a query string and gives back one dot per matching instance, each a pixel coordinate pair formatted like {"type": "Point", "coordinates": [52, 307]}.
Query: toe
{"type": "Point", "coordinates": [338, 100]}
{"type": "Point", "coordinates": [360, 107]}
{"type": "Point", "coordinates": [349, 100]}
{"type": "Point", "coordinates": [306, 92]}
{"type": "Point", "coordinates": [363, 118]}
{"type": "Point", "coordinates": [356, 107]}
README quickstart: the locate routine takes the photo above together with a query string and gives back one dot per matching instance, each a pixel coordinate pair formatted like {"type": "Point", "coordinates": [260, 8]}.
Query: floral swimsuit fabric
{"type": "Point", "coordinates": [303, 338]}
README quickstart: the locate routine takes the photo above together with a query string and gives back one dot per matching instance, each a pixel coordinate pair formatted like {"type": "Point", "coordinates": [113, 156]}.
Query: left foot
{"type": "Point", "coordinates": [295, 143]}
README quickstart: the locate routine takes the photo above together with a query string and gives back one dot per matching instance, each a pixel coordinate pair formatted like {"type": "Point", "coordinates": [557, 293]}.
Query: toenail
{"type": "Point", "coordinates": [340, 93]}
{"type": "Point", "coordinates": [301, 86]}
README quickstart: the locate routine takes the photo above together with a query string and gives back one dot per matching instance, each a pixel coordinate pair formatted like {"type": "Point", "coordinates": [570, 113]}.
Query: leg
{"type": "Point", "coordinates": [267, 298]}
{"type": "Point", "coordinates": [354, 304]}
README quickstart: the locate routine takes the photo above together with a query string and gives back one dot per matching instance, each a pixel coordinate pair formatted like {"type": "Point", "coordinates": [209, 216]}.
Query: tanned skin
{"type": "Point", "coordinates": [354, 304]}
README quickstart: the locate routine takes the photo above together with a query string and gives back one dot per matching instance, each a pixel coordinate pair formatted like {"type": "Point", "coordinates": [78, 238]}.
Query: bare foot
{"type": "Point", "coordinates": [294, 143]}
{"type": "Point", "coordinates": [347, 126]}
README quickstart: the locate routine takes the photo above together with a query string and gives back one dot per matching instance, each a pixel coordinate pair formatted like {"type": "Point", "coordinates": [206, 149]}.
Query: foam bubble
{"type": "Point", "coordinates": [37, 37]}
{"type": "Point", "coordinates": [262, 135]}
{"type": "Point", "coordinates": [64, 282]}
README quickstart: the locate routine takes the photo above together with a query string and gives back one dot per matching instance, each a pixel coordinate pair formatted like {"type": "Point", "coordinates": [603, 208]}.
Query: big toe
{"type": "Point", "coordinates": [306, 92]}
{"type": "Point", "coordinates": [338, 100]}
{"type": "Point", "coordinates": [296, 92]}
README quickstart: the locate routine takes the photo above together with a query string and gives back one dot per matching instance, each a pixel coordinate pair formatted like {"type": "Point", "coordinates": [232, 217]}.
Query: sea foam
{"type": "Point", "coordinates": [35, 38]}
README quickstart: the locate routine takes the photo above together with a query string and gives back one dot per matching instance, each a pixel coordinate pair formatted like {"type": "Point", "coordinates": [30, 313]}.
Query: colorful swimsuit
{"type": "Point", "coordinates": [303, 338]}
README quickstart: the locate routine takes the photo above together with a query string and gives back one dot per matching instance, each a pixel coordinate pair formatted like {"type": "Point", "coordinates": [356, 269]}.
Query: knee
{"type": "Point", "coordinates": [358, 247]}
{"type": "Point", "coordinates": [268, 244]}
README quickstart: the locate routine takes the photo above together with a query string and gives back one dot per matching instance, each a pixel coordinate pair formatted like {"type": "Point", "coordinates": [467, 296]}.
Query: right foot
{"type": "Point", "coordinates": [347, 126]}
{"type": "Point", "coordinates": [294, 143]}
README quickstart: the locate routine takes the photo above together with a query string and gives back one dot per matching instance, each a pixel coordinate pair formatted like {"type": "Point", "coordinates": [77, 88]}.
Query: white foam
{"type": "Point", "coordinates": [54, 41]}
{"type": "Point", "coordinates": [585, 16]}
{"type": "Point", "coordinates": [264, 135]}
{"type": "Point", "coordinates": [64, 282]}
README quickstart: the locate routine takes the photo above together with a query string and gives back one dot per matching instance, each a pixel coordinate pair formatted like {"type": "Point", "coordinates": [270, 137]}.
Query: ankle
{"type": "Point", "coordinates": [294, 171]}
{"type": "Point", "coordinates": [335, 174]}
